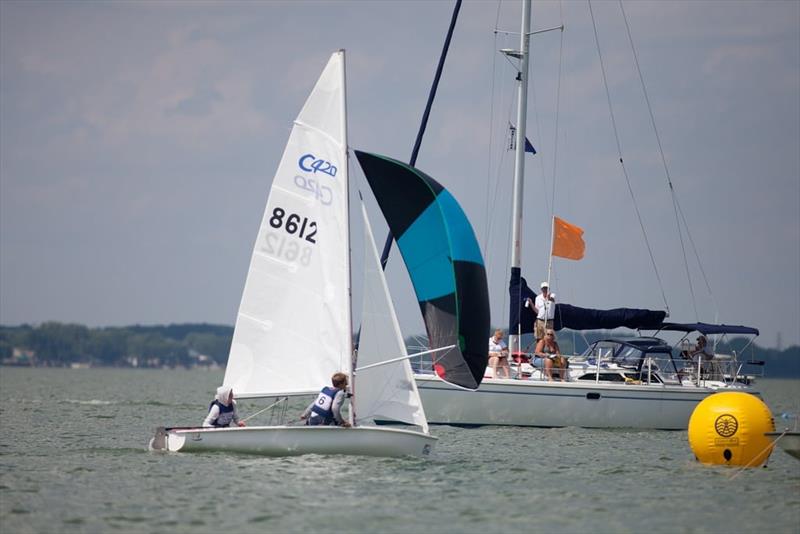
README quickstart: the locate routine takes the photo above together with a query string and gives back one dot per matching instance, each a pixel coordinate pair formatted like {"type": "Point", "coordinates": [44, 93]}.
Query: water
{"type": "Point", "coordinates": [73, 458]}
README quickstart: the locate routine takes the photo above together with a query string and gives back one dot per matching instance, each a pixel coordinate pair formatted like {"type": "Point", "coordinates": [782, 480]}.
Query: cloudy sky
{"type": "Point", "coordinates": [138, 141]}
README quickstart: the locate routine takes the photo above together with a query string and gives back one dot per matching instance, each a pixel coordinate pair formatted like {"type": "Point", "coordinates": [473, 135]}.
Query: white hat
{"type": "Point", "coordinates": [544, 284]}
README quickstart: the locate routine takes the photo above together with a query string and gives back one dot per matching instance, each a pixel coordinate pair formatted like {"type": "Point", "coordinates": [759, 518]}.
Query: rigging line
{"type": "Point", "coordinates": [699, 263]}
{"type": "Point", "coordinates": [492, 194]}
{"type": "Point", "coordinates": [497, 187]}
{"type": "Point", "coordinates": [491, 143]}
{"type": "Point", "coordinates": [509, 213]}
{"type": "Point", "coordinates": [558, 113]}
{"type": "Point", "coordinates": [532, 88]}
{"type": "Point", "coordinates": [675, 204]}
{"type": "Point", "coordinates": [555, 141]}
{"type": "Point", "coordinates": [621, 162]}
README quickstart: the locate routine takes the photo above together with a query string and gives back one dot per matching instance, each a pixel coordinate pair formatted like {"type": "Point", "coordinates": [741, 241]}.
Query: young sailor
{"type": "Point", "coordinates": [222, 410]}
{"type": "Point", "coordinates": [327, 407]}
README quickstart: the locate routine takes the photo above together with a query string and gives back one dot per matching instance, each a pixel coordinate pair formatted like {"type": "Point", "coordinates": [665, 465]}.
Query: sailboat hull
{"type": "Point", "coordinates": [297, 440]}
{"type": "Point", "coordinates": [560, 404]}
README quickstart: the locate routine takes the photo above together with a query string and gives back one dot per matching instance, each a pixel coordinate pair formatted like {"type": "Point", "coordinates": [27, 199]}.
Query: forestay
{"type": "Point", "coordinates": [293, 327]}
{"type": "Point", "coordinates": [385, 391]}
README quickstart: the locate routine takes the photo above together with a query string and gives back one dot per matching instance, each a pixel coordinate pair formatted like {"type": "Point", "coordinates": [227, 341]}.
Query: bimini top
{"type": "Point", "coordinates": [707, 329]}
{"type": "Point", "coordinates": [443, 260]}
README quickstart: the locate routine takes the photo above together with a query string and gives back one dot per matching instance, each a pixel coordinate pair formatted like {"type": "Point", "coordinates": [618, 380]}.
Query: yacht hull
{"type": "Point", "coordinates": [297, 440]}
{"type": "Point", "coordinates": [559, 404]}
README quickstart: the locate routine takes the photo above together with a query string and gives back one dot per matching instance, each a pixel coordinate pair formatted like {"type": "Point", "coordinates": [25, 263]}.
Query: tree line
{"type": "Point", "coordinates": [55, 344]}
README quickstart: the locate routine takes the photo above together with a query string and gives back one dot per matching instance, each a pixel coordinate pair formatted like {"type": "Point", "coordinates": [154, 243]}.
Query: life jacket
{"type": "Point", "coordinates": [225, 417]}
{"type": "Point", "coordinates": [322, 411]}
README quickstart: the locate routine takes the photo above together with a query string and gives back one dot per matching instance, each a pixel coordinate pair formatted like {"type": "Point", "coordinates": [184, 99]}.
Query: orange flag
{"type": "Point", "coordinates": [567, 240]}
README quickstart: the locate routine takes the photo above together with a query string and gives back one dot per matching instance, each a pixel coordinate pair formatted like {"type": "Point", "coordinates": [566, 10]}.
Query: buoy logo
{"type": "Point", "coordinates": [726, 425]}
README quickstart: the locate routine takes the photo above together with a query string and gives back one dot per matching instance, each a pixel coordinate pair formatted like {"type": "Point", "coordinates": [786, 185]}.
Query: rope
{"type": "Point", "coordinates": [699, 264]}
{"type": "Point", "coordinates": [675, 205]}
{"type": "Point", "coordinates": [621, 162]}
{"type": "Point", "coordinates": [756, 457]}
{"type": "Point", "coordinates": [486, 232]}
{"type": "Point", "coordinates": [265, 409]}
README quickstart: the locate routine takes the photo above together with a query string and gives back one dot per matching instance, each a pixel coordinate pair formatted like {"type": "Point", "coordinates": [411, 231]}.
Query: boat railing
{"type": "Point", "coordinates": [422, 365]}
{"type": "Point", "coordinates": [725, 368]}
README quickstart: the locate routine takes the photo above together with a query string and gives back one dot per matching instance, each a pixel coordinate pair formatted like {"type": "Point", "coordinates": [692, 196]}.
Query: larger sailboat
{"type": "Point", "coordinates": [618, 382]}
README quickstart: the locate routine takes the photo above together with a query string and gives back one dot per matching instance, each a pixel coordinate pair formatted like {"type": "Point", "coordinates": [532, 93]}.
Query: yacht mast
{"type": "Point", "coordinates": [519, 165]}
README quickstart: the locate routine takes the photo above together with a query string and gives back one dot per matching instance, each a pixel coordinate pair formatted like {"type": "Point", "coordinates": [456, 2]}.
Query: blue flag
{"type": "Point", "coordinates": [513, 131]}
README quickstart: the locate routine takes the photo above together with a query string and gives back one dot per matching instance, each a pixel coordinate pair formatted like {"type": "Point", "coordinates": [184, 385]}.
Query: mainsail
{"type": "Point", "coordinates": [295, 308]}
{"type": "Point", "coordinates": [385, 391]}
{"type": "Point", "coordinates": [574, 317]}
{"type": "Point", "coordinates": [444, 262]}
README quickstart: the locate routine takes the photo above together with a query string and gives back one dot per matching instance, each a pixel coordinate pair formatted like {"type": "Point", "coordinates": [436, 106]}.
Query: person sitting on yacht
{"type": "Point", "coordinates": [699, 351]}
{"type": "Point", "coordinates": [498, 355]}
{"type": "Point", "coordinates": [548, 355]}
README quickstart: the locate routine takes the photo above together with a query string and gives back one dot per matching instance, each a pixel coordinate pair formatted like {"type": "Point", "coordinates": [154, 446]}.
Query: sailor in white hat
{"type": "Point", "coordinates": [545, 308]}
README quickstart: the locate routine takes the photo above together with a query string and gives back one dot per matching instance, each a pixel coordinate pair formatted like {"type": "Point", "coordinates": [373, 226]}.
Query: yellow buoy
{"type": "Point", "coordinates": [728, 429]}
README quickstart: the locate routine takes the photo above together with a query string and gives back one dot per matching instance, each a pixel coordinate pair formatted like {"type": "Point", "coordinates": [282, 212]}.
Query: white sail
{"type": "Point", "coordinates": [385, 391]}
{"type": "Point", "coordinates": [293, 329]}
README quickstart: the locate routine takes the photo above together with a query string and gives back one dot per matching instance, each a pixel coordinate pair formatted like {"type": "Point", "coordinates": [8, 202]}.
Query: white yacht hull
{"type": "Point", "coordinates": [297, 440]}
{"type": "Point", "coordinates": [559, 404]}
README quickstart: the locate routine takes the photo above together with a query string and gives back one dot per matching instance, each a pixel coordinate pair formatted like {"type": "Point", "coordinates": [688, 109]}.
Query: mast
{"type": "Point", "coordinates": [352, 354]}
{"type": "Point", "coordinates": [519, 165]}
{"type": "Point", "coordinates": [387, 247]}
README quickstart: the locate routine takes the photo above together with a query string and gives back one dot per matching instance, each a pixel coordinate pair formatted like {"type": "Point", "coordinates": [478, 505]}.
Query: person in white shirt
{"type": "Point", "coordinates": [498, 355]}
{"type": "Point", "coordinates": [545, 309]}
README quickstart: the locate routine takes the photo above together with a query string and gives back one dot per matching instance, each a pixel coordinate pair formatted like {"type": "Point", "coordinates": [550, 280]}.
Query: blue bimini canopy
{"type": "Point", "coordinates": [709, 329]}
{"type": "Point", "coordinates": [444, 262]}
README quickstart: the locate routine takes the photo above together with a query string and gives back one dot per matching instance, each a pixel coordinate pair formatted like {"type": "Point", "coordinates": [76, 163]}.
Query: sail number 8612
{"type": "Point", "coordinates": [294, 224]}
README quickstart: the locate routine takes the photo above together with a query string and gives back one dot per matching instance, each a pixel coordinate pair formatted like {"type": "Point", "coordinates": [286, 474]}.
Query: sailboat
{"type": "Point", "coordinates": [617, 382]}
{"type": "Point", "coordinates": [294, 325]}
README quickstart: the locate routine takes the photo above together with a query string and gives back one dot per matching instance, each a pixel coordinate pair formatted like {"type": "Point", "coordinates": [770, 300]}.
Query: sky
{"type": "Point", "coordinates": [138, 141]}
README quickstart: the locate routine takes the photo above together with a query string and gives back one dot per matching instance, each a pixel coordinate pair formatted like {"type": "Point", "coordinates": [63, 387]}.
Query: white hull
{"type": "Point", "coordinates": [297, 440]}
{"type": "Point", "coordinates": [559, 404]}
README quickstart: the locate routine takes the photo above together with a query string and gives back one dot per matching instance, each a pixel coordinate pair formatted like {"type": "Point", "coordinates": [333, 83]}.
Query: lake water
{"type": "Point", "coordinates": [73, 458]}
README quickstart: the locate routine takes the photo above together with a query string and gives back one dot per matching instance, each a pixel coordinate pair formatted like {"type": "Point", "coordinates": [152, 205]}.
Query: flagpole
{"type": "Point", "coordinates": [550, 259]}
{"type": "Point", "coordinates": [552, 240]}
